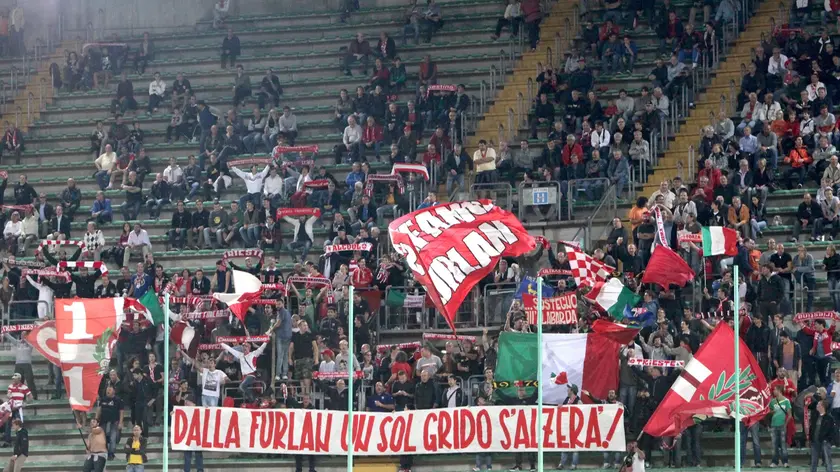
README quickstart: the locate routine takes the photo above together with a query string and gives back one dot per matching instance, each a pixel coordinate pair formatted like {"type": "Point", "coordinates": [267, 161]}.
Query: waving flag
{"type": "Point", "coordinates": [707, 387]}
{"type": "Point", "coordinates": [612, 296]}
{"type": "Point", "coordinates": [248, 289]}
{"type": "Point", "coordinates": [528, 286]}
{"type": "Point", "coordinates": [586, 269]}
{"type": "Point", "coordinates": [43, 339]}
{"type": "Point", "coordinates": [451, 247]}
{"type": "Point", "coordinates": [86, 332]}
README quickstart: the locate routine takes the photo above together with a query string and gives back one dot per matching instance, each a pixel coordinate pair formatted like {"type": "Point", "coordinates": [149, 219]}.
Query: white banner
{"type": "Point", "coordinates": [441, 431]}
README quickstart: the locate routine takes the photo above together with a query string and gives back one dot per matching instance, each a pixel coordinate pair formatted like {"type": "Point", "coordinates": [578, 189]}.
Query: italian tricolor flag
{"type": "Point", "coordinates": [718, 240]}
{"type": "Point", "coordinates": [612, 296]}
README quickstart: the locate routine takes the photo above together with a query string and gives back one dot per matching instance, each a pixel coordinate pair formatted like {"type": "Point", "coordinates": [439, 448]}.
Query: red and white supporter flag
{"type": "Point", "coordinates": [43, 339]}
{"type": "Point", "coordinates": [463, 430]}
{"type": "Point", "coordinates": [411, 169]}
{"type": "Point", "coordinates": [86, 331]}
{"type": "Point", "coordinates": [248, 288]}
{"type": "Point", "coordinates": [586, 269]}
{"type": "Point", "coordinates": [556, 310]}
{"type": "Point", "coordinates": [451, 247]}
{"type": "Point", "coordinates": [706, 387]}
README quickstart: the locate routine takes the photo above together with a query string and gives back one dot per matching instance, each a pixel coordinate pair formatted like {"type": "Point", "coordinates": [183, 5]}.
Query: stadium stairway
{"type": "Point", "coordinates": [37, 92]}
{"type": "Point", "coordinates": [495, 123]}
{"type": "Point", "coordinates": [716, 98]}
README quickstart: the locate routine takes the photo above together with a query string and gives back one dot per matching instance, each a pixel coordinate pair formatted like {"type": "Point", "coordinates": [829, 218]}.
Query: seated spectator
{"type": "Point", "coordinates": [59, 227]}
{"type": "Point", "coordinates": [428, 71]}
{"type": "Point", "coordinates": [398, 76]}
{"type": "Point", "coordinates": [270, 90]}
{"type": "Point", "coordinates": [302, 237]}
{"type": "Point", "coordinates": [105, 164]}
{"type": "Point", "coordinates": [160, 195]}
{"type": "Point", "coordinates": [381, 76]}
{"type": "Point", "coordinates": [543, 115]}
{"type": "Point", "coordinates": [351, 142]}
{"type": "Point", "coordinates": [181, 90]}
{"type": "Point", "coordinates": [29, 233]}
{"type": "Point", "coordinates": [343, 109]}
{"type": "Point", "coordinates": [512, 18]}
{"type": "Point", "coordinates": [358, 51]}
{"type": "Point", "coordinates": [101, 211]}
{"type": "Point", "coordinates": [230, 49]}
{"type": "Point", "coordinates": [217, 225]}
{"type": "Point", "coordinates": [138, 242]}
{"type": "Point", "coordinates": [800, 165]}
{"type": "Point", "coordinates": [133, 197]}
{"type": "Point", "coordinates": [70, 198]}
{"type": "Point", "coordinates": [288, 126]}
{"type": "Point", "coordinates": [241, 86]}
{"type": "Point", "coordinates": [271, 130]}
{"type": "Point", "coordinates": [157, 91]}
{"type": "Point", "coordinates": [252, 221]}
{"type": "Point", "coordinates": [12, 232]}
{"type": "Point", "coordinates": [372, 139]}
{"type": "Point", "coordinates": [200, 219]}
{"type": "Point", "coordinates": [177, 126]}
{"type": "Point", "coordinates": [12, 142]}
{"type": "Point", "coordinates": [125, 97]}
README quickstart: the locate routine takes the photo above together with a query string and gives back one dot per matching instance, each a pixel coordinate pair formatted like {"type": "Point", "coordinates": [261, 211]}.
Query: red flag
{"type": "Point", "coordinates": [248, 289]}
{"type": "Point", "coordinates": [86, 332]}
{"type": "Point", "coordinates": [613, 331]}
{"type": "Point", "coordinates": [183, 335]}
{"type": "Point", "coordinates": [706, 387]}
{"type": "Point", "coordinates": [666, 267]}
{"type": "Point", "coordinates": [451, 247]}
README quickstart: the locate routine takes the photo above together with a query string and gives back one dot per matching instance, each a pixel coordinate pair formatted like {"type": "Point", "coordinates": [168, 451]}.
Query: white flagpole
{"type": "Point", "coordinates": [737, 370]}
{"type": "Point", "coordinates": [539, 321]}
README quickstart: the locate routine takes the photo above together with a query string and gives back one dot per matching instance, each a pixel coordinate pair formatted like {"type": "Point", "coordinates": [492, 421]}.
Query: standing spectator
{"type": "Point", "coordinates": [17, 393]}
{"type": "Point", "coordinates": [110, 415]}
{"type": "Point", "coordinates": [303, 355]}
{"type": "Point", "coordinates": [221, 9]}
{"type": "Point", "coordinates": [820, 349]}
{"type": "Point", "coordinates": [97, 449]}
{"type": "Point", "coordinates": [230, 49]}
{"type": "Point", "coordinates": [241, 86]}
{"type": "Point", "coordinates": [21, 447]}
{"type": "Point", "coordinates": [23, 360]}
{"type": "Point", "coordinates": [135, 450]}
{"type": "Point", "coordinates": [12, 142]}
{"type": "Point", "coordinates": [823, 434]}
{"type": "Point", "coordinates": [133, 197]}
{"type": "Point", "coordinates": [512, 18]}
{"type": "Point", "coordinates": [484, 163]}
{"type": "Point", "coordinates": [780, 410]}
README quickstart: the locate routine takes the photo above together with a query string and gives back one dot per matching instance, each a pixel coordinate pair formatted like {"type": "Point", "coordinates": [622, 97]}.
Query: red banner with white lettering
{"type": "Point", "coordinates": [86, 333]}
{"type": "Point", "coordinates": [451, 247]}
{"type": "Point", "coordinates": [443, 431]}
{"type": "Point", "coordinates": [556, 310]}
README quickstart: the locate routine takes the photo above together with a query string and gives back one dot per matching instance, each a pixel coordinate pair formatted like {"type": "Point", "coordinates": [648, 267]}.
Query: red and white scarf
{"type": "Point", "coordinates": [56, 242]}
{"type": "Point", "coordinates": [390, 178]}
{"type": "Point", "coordinates": [236, 253]}
{"type": "Point", "coordinates": [283, 212]}
{"type": "Point", "coordinates": [95, 265]}
{"type": "Point", "coordinates": [51, 272]}
{"type": "Point", "coordinates": [347, 247]}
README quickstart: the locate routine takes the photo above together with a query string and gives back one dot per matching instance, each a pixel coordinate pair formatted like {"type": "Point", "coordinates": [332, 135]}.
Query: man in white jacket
{"type": "Point", "coordinates": [29, 232]}
{"type": "Point", "coordinates": [157, 89]}
{"type": "Point", "coordinates": [273, 187]}
{"type": "Point", "coordinates": [248, 366]}
{"type": "Point", "coordinates": [13, 231]}
{"type": "Point", "coordinates": [253, 185]}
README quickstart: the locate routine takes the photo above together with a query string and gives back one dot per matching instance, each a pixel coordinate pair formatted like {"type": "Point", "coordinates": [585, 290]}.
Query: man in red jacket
{"type": "Point", "coordinates": [820, 350]}
{"type": "Point", "coordinates": [571, 148]}
{"type": "Point", "coordinates": [372, 137]}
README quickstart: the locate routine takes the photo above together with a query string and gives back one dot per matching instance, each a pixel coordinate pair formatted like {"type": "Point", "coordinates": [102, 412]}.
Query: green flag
{"type": "Point", "coordinates": [150, 301]}
{"type": "Point", "coordinates": [517, 362]}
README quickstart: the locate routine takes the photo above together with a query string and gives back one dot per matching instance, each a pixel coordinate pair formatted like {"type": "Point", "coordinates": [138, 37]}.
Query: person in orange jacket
{"type": "Point", "coordinates": [800, 162]}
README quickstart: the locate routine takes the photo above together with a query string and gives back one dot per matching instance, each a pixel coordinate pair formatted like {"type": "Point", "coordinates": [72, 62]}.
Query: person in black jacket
{"type": "Point", "coordinates": [807, 214]}
{"type": "Point", "coordinates": [144, 398]}
{"type": "Point", "coordinates": [135, 449]}
{"type": "Point", "coordinates": [106, 288]}
{"type": "Point", "coordinates": [456, 164]}
{"type": "Point", "coordinates": [771, 291]}
{"type": "Point", "coordinates": [823, 431]}
{"type": "Point", "coordinates": [21, 446]}
{"type": "Point", "coordinates": [230, 49]}
{"type": "Point", "coordinates": [25, 194]}
{"type": "Point", "coordinates": [159, 196]}
{"type": "Point", "coordinates": [425, 393]}
{"type": "Point", "coordinates": [85, 282]}
{"type": "Point", "coordinates": [125, 96]}
{"type": "Point", "coordinates": [543, 115]}
{"type": "Point", "coordinates": [270, 90]}
{"type": "Point", "coordinates": [200, 220]}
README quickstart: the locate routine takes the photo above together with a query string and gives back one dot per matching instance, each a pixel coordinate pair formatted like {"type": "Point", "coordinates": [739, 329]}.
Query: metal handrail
{"type": "Point", "coordinates": [521, 111]}
{"type": "Point", "coordinates": [501, 133]}
{"type": "Point", "coordinates": [29, 99]}
{"type": "Point", "coordinates": [18, 112]}
{"type": "Point", "coordinates": [733, 102]}
{"type": "Point", "coordinates": [511, 130]}
{"type": "Point", "coordinates": [41, 87]}
{"type": "Point", "coordinates": [530, 88]}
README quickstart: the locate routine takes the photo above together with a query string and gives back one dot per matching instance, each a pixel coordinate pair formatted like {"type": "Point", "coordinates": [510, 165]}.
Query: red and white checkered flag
{"type": "Point", "coordinates": [585, 269]}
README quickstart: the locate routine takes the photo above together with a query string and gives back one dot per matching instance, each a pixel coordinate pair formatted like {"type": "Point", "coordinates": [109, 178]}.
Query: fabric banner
{"type": "Point", "coordinates": [410, 169]}
{"type": "Point", "coordinates": [660, 228]}
{"type": "Point", "coordinates": [86, 333]}
{"type": "Point", "coordinates": [12, 261]}
{"type": "Point", "coordinates": [389, 178]}
{"type": "Point", "coordinates": [550, 272]}
{"type": "Point", "coordinates": [238, 253]}
{"type": "Point", "coordinates": [283, 149]}
{"type": "Point", "coordinates": [336, 375]}
{"type": "Point", "coordinates": [56, 242]}
{"type": "Point", "coordinates": [46, 273]}
{"type": "Point", "coordinates": [586, 269]}
{"type": "Point", "coordinates": [205, 315]}
{"type": "Point", "coordinates": [401, 347]}
{"type": "Point", "coordinates": [19, 327]}
{"type": "Point", "coordinates": [242, 339]}
{"type": "Point", "coordinates": [95, 265]}
{"type": "Point", "coordinates": [282, 212]}
{"type": "Point", "coordinates": [448, 337]}
{"type": "Point", "coordinates": [43, 339]}
{"type": "Point", "coordinates": [691, 238]}
{"type": "Point", "coordinates": [260, 161]}
{"type": "Point", "coordinates": [329, 249]}
{"type": "Point", "coordinates": [817, 315]}
{"type": "Point", "coordinates": [441, 88]}
{"type": "Point", "coordinates": [441, 431]}
{"type": "Point", "coordinates": [317, 184]}
{"type": "Point", "coordinates": [451, 247]}
{"type": "Point", "coordinates": [654, 363]}
{"type": "Point", "coordinates": [556, 310]}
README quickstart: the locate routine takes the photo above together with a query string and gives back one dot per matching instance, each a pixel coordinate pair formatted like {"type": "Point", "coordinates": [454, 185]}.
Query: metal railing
{"type": "Point", "coordinates": [500, 192]}
{"type": "Point", "coordinates": [496, 298]}
{"type": "Point", "coordinates": [607, 203]}
{"type": "Point", "coordinates": [401, 317]}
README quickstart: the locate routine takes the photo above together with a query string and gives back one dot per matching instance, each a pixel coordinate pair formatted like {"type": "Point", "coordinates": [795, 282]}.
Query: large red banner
{"type": "Point", "coordinates": [556, 310]}
{"type": "Point", "coordinates": [442, 431]}
{"type": "Point", "coordinates": [451, 247]}
{"type": "Point", "coordinates": [86, 332]}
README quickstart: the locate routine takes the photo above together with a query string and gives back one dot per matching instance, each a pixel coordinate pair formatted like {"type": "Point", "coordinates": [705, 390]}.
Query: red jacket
{"type": "Point", "coordinates": [799, 158]}
{"type": "Point", "coordinates": [713, 175]}
{"type": "Point", "coordinates": [372, 134]}
{"type": "Point", "coordinates": [567, 153]}
{"type": "Point", "coordinates": [824, 338]}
